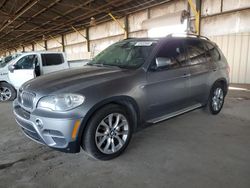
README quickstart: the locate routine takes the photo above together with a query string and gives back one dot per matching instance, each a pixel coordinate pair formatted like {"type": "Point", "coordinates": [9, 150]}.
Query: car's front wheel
{"type": "Point", "coordinates": [7, 92]}
{"type": "Point", "coordinates": [108, 132]}
{"type": "Point", "coordinates": [216, 99]}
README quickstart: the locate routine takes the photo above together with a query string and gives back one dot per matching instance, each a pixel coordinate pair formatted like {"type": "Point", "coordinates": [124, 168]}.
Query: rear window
{"type": "Point", "coordinates": [212, 53]}
{"type": "Point", "coordinates": [52, 59]}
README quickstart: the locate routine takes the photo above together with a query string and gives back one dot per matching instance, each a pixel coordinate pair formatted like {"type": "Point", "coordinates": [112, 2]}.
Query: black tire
{"type": "Point", "coordinates": [12, 90]}
{"type": "Point", "coordinates": [210, 107]}
{"type": "Point", "coordinates": [89, 141]}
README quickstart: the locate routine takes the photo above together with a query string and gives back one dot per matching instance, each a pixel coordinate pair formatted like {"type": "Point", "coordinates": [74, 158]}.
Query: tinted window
{"type": "Point", "coordinates": [212, 53]}
{"type": "Point", "coordinates": [196, 51]}
{"type": "Point", "coordinates": [174, 52]}
{"type": "Point", "coordinates": [26, 62]}
{"type": "Point", "coordinates": [52, 59]}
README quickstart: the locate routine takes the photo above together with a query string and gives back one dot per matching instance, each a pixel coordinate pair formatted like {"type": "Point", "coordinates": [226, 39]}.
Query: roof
{"type": "Point", "coordinates": [22, 22]}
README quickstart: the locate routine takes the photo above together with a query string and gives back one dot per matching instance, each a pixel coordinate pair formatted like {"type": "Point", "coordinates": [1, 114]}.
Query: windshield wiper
{"type": "Point", "coordinates": [96, 64]}
{"type": "Point", "coordinates": [105, 65]}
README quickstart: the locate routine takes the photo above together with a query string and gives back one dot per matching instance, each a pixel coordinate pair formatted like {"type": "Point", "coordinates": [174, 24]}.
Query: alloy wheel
{"type": "Point", "coordinates": [5, 94]}
{"type": "Point", "coordinates": [112, 133]}
{"type": "Point", "coordinates": [217, 100]}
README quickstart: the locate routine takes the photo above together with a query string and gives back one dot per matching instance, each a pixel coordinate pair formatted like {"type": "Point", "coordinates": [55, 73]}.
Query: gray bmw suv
{"type": "Point", "coordinates": [132, 83]}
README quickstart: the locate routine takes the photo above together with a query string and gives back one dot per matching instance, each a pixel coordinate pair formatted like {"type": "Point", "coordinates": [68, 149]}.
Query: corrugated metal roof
{"type": "Point", "coordinates": [22, 22]}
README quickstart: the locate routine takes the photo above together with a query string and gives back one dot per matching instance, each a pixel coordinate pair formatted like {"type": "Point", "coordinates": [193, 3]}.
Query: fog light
{"type": "Point", "coordinates": [39, 123]}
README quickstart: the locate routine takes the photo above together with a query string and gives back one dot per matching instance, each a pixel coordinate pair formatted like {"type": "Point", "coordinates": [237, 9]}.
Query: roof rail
{"type": "Point", "coordinates": [187, 34]}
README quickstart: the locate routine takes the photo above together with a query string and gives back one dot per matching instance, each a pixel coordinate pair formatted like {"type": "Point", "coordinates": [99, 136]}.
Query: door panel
{"type": "Point", "coordinates": [199, 70]}
{"type": "Point", "coordinates": [19, 77]}
{"type": "Point", "coordinates": [167, 87]}
{"type": "Point", "coordinates": [167, 91]}
{"type": "Point", "coordinates": [199, 87]}
{"type": "Point", "coordinates": [24, 70]}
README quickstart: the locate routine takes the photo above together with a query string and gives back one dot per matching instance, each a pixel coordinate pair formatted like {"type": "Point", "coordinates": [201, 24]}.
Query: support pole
{"type": "Point", "coordinates": [126, 27]}
{"type": "Point", "coordinates": [63, 43]}
{"type": "Point", "coordinates": [196, 9]}
{"type": "Point", "coordinates": [221, 5]}
{"type": "Point", "coordinates": [87, 38]}
{"type": "Point", "coordinates": [45, 45]}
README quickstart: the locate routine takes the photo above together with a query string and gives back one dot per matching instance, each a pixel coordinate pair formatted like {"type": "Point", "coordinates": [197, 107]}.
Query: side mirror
{"type": "Point", "coordinates": [162, 62]}
{"type": "Point", "coordinates": [11, 68]}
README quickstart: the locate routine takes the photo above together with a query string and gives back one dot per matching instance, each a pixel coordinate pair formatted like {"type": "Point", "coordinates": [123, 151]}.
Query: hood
{"type": "Point", "coordinates": [73, 80]}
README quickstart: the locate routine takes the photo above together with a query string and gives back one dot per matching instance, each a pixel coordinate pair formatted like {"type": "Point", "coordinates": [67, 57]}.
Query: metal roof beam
{"type": "Point", "coordinates": [19, 14]}
{"type": "Point", "coordinates": [104, 8]}
{"type": "Point", "coordinates": [71, 10]}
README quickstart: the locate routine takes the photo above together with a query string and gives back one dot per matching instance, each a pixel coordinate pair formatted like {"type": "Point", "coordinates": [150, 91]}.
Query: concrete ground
{"type": "Point", "coordinates": [193, 150]}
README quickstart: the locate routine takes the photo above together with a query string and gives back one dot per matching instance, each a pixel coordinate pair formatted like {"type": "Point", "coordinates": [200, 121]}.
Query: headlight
{"type": "Point", "coordinates": [61, 103]}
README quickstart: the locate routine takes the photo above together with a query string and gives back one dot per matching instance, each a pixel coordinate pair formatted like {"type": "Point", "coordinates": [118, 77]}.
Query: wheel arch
{"type": "Point", "coordinates": [222, 81]}
{"type": "Point", "coordinates": [5, 82]}
{"type": "Point", "coordinates": [126, 101]}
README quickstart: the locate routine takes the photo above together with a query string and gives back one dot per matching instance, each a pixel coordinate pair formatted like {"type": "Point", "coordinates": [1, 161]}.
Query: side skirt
{"type": "Point", "coordinates": [173, 114]}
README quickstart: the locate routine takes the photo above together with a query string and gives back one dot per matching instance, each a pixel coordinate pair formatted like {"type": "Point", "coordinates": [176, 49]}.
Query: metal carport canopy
{"type": "Point", "coordinates": [23, 22]}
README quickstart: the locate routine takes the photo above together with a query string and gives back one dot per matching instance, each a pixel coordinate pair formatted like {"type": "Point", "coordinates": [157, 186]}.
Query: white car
{"type": "Point", "coordinates": [17, 69]}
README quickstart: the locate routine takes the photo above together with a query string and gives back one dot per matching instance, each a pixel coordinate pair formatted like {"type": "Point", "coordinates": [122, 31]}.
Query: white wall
{"type": "Point", "coordinates": [231, 31]}
{"type": "Point", "coordinates": [39, 46]}
{"type": "Point", "coordinates": [55, 44]}
{"type": "Point", "coordinates": [237, 22]}
{"type": "Point", "coordinates": [76, 45]}
{"type": "Point", "coordinates": [236, 47]}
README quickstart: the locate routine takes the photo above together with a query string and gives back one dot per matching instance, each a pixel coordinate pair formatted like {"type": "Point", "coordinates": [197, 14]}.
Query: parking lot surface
{"type": "Point", "coordinates": [192, 150]}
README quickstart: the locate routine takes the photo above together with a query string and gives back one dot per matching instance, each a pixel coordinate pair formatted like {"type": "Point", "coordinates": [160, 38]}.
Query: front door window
{"type": "Point", "coordinates": [27, 62]}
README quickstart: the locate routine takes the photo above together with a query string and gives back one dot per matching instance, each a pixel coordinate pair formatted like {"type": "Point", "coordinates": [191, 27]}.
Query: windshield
{"type": "Point", "coordinates": [125, 54]}
{"type": "Point", "coordinates": [2, 63]}
{"type": "Point", "coordinates": [7, 59]}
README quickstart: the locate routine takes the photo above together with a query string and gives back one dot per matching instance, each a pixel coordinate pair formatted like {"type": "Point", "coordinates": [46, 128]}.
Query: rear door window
{"type": "Point", "coordinates": [212, 52]}
{"type": "Point", "coordinates": [52, 59]}
{"type": "Point", "coordinates": [196, 51]}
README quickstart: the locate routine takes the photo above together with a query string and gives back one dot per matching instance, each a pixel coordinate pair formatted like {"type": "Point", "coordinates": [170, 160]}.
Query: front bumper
{"type": "Point", "coordinates": [53, 132]}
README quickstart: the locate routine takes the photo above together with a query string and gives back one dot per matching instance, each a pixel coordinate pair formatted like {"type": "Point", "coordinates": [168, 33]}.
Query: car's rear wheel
{"type": "Point", "coordinates": [216, 99]}
{"type": "Point", "coordinates": [7, 92]}
{"type": "Point", "coordinates": [108, 132]}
